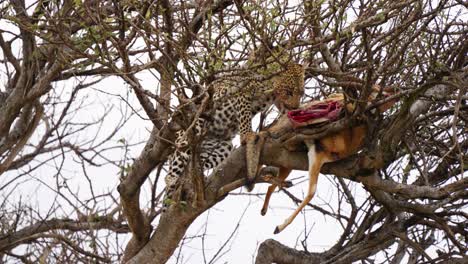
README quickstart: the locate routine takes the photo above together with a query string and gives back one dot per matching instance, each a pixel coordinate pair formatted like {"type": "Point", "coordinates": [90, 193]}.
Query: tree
{"type": "Point", "coordinates": [55, 55]}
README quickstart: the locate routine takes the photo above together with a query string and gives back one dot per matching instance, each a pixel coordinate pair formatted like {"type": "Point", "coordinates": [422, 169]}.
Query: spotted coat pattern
{"type": "Point", "coordinates": [235, 102]}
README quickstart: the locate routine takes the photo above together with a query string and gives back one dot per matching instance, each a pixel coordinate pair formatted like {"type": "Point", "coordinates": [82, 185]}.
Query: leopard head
{"type": "Point", "coordinates": [288, 87]}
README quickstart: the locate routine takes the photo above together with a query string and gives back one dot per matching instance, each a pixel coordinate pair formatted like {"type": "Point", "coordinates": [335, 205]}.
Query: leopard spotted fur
{"type": "Point", "coordinates": [235, 102]}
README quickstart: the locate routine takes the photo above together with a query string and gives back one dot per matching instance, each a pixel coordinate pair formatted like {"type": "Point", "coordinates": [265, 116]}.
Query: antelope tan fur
{"type": "Point", "coordinates": [327, 149]}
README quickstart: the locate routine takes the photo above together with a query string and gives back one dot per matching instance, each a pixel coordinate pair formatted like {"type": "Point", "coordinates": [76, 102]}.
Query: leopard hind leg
{"type": "Point", "coordinates": [179, 159]}
{"type": "Point", "coordinates": [214, 152]}
{"type": "Point", "coordinates": [177, 164]}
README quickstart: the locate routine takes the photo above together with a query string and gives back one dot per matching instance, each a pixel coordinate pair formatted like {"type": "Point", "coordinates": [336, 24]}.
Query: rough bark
{"type": "Point", "coordinates": [173, 223]}
{"type": "Point", "coordinates": [271, 251]}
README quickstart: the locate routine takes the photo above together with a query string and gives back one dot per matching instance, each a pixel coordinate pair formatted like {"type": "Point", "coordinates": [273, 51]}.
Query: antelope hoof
{"type": "Point", "coordinates": [276, 231]}
{"type": "Point", "coordinates": [263, 211]}
{"type": "Point", "coordinates": [287, 184]}
{"type": "Point", "coordinates": [250, 185]}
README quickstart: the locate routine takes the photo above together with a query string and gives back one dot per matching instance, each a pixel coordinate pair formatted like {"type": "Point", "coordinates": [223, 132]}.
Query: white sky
{"type": "Point", "coordinates": [222, 219]}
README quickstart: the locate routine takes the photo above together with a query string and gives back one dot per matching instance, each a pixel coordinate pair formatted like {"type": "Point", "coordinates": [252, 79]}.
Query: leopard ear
{"type": "Point", "coordinates": [295, 68]}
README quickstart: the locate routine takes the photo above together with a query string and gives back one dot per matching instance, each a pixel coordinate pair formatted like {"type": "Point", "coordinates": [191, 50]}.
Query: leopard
{"type": "Point", "coordinates": [235, 101]}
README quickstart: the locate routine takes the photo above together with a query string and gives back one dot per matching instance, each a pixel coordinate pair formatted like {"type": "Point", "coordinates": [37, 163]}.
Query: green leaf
{"type": "Point", "coordinates": [148, 14]}
{"type": "Point", "coordinates": [168, 202]}
{"type": "Point", "coordinates": [128, 168]}
{"type": "Point", "coordinates": [381, 16]}
{"type": "Point", "coordinates": [218, 65]}
{"type": "Point", "coordinates": [78, 3]}
{"type": "Point", "coordinates": [184, 205]}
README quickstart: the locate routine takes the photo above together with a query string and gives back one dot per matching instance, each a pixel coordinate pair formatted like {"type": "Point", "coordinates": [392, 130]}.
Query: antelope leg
{"type": "Point", "coordinates": [283, 174]}
{"type": "Point", "coordinates": [315, 163]}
